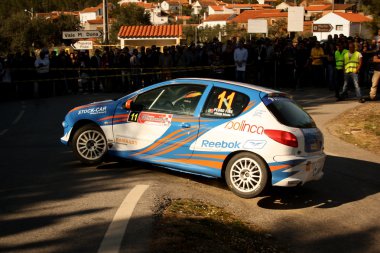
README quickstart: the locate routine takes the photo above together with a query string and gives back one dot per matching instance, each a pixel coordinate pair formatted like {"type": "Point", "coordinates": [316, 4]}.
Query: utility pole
{"type": "Point", "coordinates": [105, 22]}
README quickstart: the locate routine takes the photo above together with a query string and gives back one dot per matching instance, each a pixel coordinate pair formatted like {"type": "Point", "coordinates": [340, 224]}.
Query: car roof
{"type": "Point", "coordinates": [246, 85]}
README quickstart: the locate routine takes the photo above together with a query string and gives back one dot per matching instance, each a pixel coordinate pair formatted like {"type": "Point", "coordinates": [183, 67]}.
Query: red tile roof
{"type": "Point", "coordinates": [205, 3]}
{"type": "Point", "coordinates": [252, 6]}
{"type": "Point", "coordinates": [218, 17]}
{"type": "Point", "coordinates": [91, 9]}
{"type": "Point", "coordinates": [177, 2]}
{"type": "Point", "coordinates": [253, 14]}
{"type": "Point", "coordinates": [217, 8]}
{"type": "Point", "coordinates": [354, 17]}
{"type": "Point", "coordinates": [318, 7]}
{"type": "Point", "coordinates": [150, 31]}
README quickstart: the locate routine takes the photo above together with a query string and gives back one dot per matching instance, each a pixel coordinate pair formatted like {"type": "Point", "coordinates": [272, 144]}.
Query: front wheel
{"type": "Point", "coordinates": [246, 175]}
{"type": "Point", "coordinates": [89, 144]}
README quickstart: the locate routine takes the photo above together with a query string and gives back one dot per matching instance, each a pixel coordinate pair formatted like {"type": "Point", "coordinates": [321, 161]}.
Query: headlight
{"type": "Point", "coordinates": [64, 124]}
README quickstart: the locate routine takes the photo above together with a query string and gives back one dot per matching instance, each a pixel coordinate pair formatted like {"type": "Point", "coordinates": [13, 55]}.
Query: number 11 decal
{"type": "Point", "coordinates": [226, 101]}
{"type": "Point", "coordinates": [133, 116]}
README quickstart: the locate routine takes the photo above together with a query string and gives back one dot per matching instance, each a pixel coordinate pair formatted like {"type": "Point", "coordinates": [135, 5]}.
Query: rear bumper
{"type": "Point", "coordinates": [298, 170]}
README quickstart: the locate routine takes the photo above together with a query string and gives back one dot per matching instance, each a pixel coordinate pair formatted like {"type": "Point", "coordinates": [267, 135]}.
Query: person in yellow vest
{"type": "Point", "coordinates": [352, 64]}
{"type": "Point", "coordinates": [339, 68]}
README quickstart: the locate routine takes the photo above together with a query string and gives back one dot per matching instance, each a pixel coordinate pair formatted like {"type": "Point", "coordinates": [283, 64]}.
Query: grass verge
{"type": "Point", "coordinates": [360, 126]}
{"type": "Point", "coordinates": [185, 225]}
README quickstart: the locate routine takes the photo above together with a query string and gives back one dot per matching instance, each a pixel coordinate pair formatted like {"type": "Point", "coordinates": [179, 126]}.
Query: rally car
{"type": "Point", "coordinates": [249, 135]}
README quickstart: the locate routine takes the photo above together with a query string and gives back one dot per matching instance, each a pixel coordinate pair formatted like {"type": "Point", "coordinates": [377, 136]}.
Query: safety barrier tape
{"type": "Point", "coordinates": [129, 72]}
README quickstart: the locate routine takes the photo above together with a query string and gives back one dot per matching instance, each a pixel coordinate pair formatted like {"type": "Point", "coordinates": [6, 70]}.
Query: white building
{"type": "Point", "coordinates": [348, 24]}
{"type": "Point", "coordinates": [90, 13]}
{"type": "Point", "coordinates": [217, 19]}
{"type": "Point", "coordinates": [128, 1]}
{"type": "Point", "coordinates": [157, 17]}
{"type": "Point", "coordinates": [285, 5]}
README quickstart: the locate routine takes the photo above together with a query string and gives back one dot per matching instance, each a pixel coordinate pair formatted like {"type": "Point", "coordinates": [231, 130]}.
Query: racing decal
{"type": "Point", "coordinates": [220, 144]}
{"type": "Point", "coordinates": [161, 146]}
{"type": "Point", "coordinates": [255, 144]}
{"type": "Point", "coordinates": [207, 155]}
{"type": "Point", "coordinates": [221, 112]}
{"type": "Point", "coordinates": [285, 165]}
{"type": "Point", "coordinates": [244, 127]}
{"type": "Point", "coordinates": [249, 106]}
{"type": "Point", "coordinates": [133, 116]}
{"type": "Point", "coordinates": [207, 163]}
{"type": "Point", "coordinates": [152, 118]}
{"type": "Point", "coordinates": [226, 101]}
{"type": "Point", "coordinates": [116, 118]}
{"type": "Point", "coordinates": [93, 111]}
{"type": "Point", "coordinates": [125, 140]}
{"type": "Point", "coordinates": [170, 148]}
{"type": "Point", "coordinates": [259, 113]}
{"type": "Point", "coordinates": [223, 109]}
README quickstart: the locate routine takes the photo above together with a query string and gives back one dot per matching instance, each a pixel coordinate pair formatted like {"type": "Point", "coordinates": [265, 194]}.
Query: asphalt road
{"type": "Point", "coordinates": [49, 202]}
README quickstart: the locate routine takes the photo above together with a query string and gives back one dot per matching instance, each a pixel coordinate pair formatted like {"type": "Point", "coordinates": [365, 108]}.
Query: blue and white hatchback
{"type": "Point", "coordinates": [246, 134]}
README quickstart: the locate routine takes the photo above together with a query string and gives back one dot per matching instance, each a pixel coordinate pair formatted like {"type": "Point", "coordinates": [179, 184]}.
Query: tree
{"type": "Point", "coordinates": [128, 15]}
{"type": "Point", "coordinates": [278, 29]}
{"type": "Point", "coordinates": [372, 7]}
{"type": "Point", "coordinates": [19, 31]}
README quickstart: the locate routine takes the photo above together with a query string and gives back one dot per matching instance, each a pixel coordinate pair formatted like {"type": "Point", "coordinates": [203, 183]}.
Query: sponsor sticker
{"type": "Point", "coordinates": [221, 112]}
{"type": "Point", "coordinates": [259, 113]}
{"type": "Point", "coordinates": [126, 141]}
{"type": "Point", "coordinates": [244, 127]}
{"type": "Point", "coordinates": [160, 119]}
{"type": "Point", "coordinates": [220, 144]}
{"type": "Point", "coordinates": [93, 111]}
{"type": "Point", "coordinates": [255, 144]}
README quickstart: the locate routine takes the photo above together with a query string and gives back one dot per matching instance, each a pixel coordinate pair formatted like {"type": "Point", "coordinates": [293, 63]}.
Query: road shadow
{"type": "Point", "coordinates": [345, 180]}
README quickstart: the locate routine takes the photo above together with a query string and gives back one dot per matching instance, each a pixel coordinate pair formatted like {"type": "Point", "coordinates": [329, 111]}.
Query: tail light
{"type": "Point", "coordinates": [282, 137]}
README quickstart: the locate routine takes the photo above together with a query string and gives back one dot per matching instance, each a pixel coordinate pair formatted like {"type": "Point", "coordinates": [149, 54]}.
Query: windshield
{"type": "Point", "coordinates": [288, 112]}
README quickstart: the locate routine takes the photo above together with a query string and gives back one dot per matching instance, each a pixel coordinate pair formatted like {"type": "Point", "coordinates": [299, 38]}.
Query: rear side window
{"type": "Point", "coordinates": [224, 103]}
{"type": "Point", "coordinates": [288, 112]}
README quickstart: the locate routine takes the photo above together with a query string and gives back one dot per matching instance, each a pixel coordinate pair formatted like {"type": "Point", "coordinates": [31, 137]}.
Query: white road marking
{"type": "Point", "coordinates": [3, 132]}
{"type": "Point", "coordinates": [112, 240]}
{"type": "Point", "coordinates": [18, 117]}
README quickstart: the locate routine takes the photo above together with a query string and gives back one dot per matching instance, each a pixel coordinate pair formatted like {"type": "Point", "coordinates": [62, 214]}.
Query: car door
{"type": "Point", "coordinates": [221, 113]}
{"type": "Point", "coordinates": [165, 126]}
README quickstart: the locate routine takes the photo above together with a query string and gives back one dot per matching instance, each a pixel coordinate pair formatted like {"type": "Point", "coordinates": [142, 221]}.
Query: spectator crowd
{"type": "Point", "coordinates": [274, 63]}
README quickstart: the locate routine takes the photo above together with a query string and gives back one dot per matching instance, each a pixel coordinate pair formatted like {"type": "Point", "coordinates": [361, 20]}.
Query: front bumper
{"type": "Point", "coordinates": [66, 133]}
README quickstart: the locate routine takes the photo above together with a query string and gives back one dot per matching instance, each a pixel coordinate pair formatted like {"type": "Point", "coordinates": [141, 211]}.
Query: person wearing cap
{"type": "Point", "coordinates": [352, 64]}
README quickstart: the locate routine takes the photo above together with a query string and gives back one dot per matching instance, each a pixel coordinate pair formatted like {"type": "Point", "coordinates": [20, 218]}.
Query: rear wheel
{"type": "Point", "coordinates": [246, 175]}
{"type": "Point", "coordinates": [89, 144]}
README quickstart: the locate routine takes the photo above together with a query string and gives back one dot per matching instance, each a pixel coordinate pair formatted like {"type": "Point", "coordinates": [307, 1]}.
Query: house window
{"type": "Point", "coordinates": [339, 27]}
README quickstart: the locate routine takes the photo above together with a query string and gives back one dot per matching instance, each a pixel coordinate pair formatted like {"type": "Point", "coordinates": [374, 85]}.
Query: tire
{"type": "Point", "coordinates": [246, 175]}
{"type": "Point", "coordinates": [90, 144]}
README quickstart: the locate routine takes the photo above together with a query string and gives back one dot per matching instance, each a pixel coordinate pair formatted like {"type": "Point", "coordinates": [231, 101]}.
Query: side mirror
{"type": "Point", "coordinates": [132, 106]}
{"type": "Point", "coordinates": [128, 104]}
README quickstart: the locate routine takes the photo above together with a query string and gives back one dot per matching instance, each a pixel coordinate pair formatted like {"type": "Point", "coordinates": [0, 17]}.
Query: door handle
{"type": "Point", "coordinates": [186, 125]}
